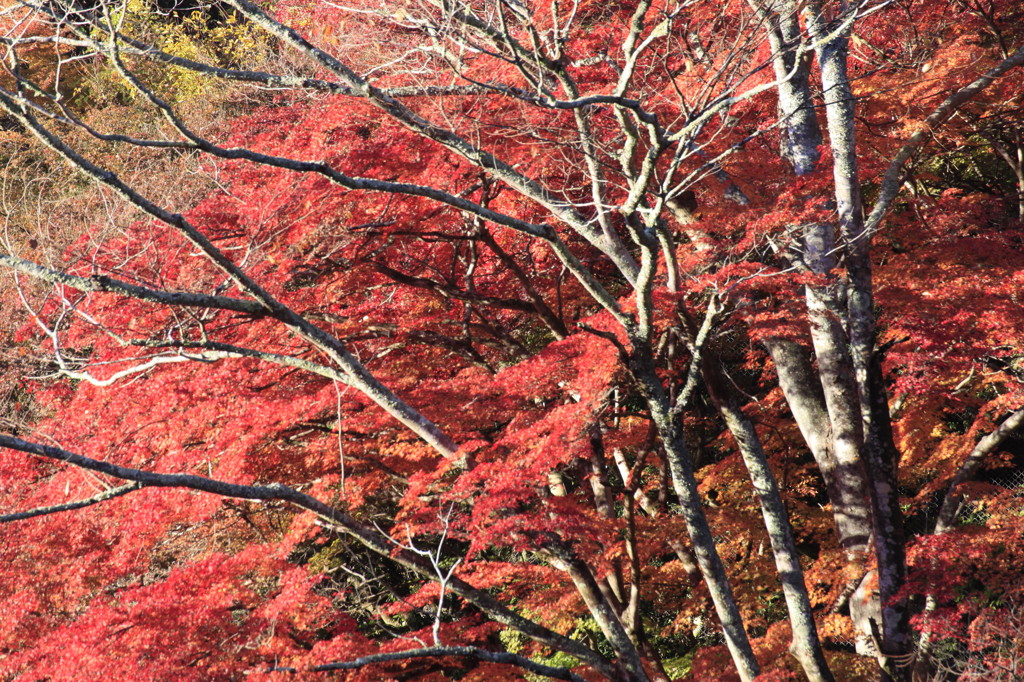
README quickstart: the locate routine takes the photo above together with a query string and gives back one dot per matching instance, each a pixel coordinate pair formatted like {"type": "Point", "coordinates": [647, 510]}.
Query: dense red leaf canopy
{"type": "Point", "coordinates": [485, 332]}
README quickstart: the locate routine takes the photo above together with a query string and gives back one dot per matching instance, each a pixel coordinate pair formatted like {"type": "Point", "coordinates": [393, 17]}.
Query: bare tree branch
{"type": "Point", "coordinates": [71, 506]}
{"type": "Point", "coordinates": [460, 651]}
{"type": "Point", "coordinates": [114, 286]}
{"type": "Point", "coordinates": [359, 376]}
{"type": "Point", "coordinates": [894, 175]}
{"type": "Point", "coordinates": [213, 350]}
{"type": "Point", "coordinates": [500, 170]}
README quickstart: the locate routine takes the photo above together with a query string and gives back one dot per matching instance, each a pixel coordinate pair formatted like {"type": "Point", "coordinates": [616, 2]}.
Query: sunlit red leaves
{"type": "Point", "coordinates": [524, 409]}
{"type": "Point", "coordinates": [208, 607]}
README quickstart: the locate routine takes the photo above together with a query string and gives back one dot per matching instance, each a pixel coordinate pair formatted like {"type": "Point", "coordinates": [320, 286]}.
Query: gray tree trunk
{"type": "Point", "coordinates": [842, 334]}
{"type": "Point", "coordinates": [711, 567]}
{"type": "Point", "coordinates": [802, 136]}
{"type": "Point", "coordinates": [878, 452]}
{"type": "Point", "coordinates": [684, 483]}
{"type": "Point", "coordinates": [806, 645]}
{"type": "Point", "coordinates": [802, 390]}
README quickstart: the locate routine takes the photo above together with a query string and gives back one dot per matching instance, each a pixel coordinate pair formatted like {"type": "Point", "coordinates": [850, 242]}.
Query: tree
{"type": "Point", "coordinates": [486, 294]}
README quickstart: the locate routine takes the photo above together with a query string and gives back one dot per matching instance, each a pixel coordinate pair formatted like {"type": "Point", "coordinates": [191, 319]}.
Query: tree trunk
{"type": "Point", "coordinates": [711, 567]}
{"type": "Point", "coordinates": [878, 451]}
{"type": "Point", "coordinates": [603, 612]}
{"type": "Point", "coordinates": [802, 390]}
{"type": "Point", "coordinates": [802, 136]}
{"type": "Point", "coordinates": [806, 646]}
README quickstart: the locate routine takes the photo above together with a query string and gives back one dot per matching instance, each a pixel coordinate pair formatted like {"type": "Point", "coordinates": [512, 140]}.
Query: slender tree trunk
{"type": "Point", "coordinates": [1013, 155]}
{"type": "Point", "coordinates": [684, 483]}
{"type": "Point", "coordinates": [806, 646]}
{"type": "Point", "coordinates": [603, 612]}
{"type": "Point", "coordinates": [711, 567]}
{"type": "Point", "coordinates": [669, 429]}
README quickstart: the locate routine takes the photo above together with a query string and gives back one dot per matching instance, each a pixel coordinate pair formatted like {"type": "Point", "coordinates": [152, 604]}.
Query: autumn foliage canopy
{"type": "Point", "coordinates": [502, 339]}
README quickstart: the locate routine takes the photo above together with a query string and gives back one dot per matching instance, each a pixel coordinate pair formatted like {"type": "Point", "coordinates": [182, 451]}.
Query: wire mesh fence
{"type": "Point", "coordinates": [970, 512]}
{"type": "Point", "coordinates": [1012, 479]}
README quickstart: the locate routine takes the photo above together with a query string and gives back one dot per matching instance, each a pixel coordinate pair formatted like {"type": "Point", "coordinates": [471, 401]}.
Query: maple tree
{"type": "Point", "coordinates": [507, 339]}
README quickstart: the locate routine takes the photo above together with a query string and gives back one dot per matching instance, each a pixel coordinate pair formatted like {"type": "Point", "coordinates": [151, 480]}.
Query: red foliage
{"type": "Point", "coordinates": [171, 584]}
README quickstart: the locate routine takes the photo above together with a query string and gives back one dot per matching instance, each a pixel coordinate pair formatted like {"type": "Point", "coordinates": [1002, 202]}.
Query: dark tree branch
{"type": "Point", "coordinates": [114, 286]}
{"type": "Point", "coordinates": [894, 175]}
{"type": "Point", "coordinates": [71, 506]}
{"type": "Point", "coordinates": [460, 651]}
{"type": "Point", "coordinates": [986, 446]}
{"type": "Point", "coordinates": [449, 291]}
